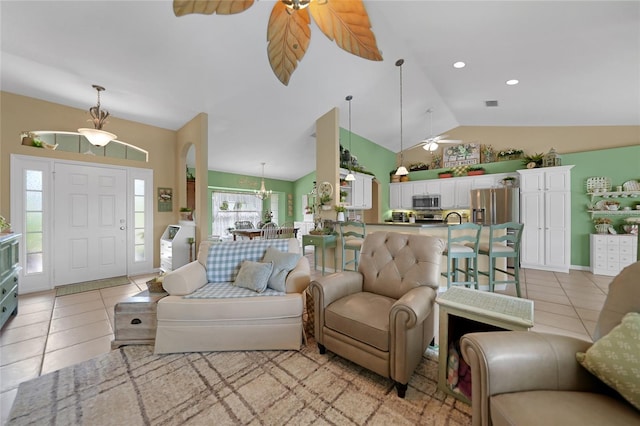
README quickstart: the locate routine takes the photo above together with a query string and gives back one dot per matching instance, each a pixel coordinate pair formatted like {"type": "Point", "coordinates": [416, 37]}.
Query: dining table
{"type": "Point", "coordinates": [254, 232]}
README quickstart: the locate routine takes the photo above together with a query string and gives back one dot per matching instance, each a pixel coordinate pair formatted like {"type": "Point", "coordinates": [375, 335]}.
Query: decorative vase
{"type": "Point", "coordinates": [404, 178]}
{"type": "Point", "coordinates": [340, 216]}
{"type": "Point", "coordinates": [445, 175]}
{"type": "Point", "coordinates": [475, 172]}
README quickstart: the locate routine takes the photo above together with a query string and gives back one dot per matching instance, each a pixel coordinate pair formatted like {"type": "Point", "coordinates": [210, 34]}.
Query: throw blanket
{"type": "Point", "coordinates": [224, 260]}
{"type": "Point", "coordinates": [226, 290]}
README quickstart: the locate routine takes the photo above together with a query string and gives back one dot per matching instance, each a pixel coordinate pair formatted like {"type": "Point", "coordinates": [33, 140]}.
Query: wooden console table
{"type": "Point", "coordinates": [464, 310]}
{"type": "Point", "coordinates": [135, 320]}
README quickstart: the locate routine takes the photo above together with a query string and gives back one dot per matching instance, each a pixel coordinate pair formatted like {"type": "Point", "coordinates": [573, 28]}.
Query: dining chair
{"type": "Point", "coordinates": [352, 235]}
{"type": "Point", "coordinates": [504, 242]}
{"type": "Point", "coordinates": [269, 231]}
{"type": "Point", "coordinates": [287, 230]}
{"type": "Point", "coordinates": [462, 244]}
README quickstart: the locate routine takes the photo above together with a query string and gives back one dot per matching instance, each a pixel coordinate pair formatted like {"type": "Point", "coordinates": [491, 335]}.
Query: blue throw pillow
{"type": "Point", "coordinates": [283, 263]}
{"type": "Point", "coordinates": [254, 275]}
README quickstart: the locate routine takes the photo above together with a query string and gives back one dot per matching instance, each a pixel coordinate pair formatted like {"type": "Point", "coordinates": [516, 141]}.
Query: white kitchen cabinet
{"type": "Point", "coordinates": [447, 193]}
{"type": "Point", "coordinates": [545, 211]}
{"type": "Point", "coordinates": [463, 193]}
{"type": "Point", "coordinates": [612, 253]}
{"type": "Point", "coordinates": [359, 192]}
{"type": "Point", "coordinates": [406, 195]}
{"type": "Point", "coordinates": [395, 201]}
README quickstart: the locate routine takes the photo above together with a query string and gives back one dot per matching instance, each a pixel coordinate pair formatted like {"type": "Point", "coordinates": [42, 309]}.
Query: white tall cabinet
{"type": "Point", "coordinates": [545, 211]}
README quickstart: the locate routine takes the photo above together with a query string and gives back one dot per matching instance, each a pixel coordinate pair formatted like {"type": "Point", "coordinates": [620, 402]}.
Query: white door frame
{"type": "Point", "coordinates": [43, 281]}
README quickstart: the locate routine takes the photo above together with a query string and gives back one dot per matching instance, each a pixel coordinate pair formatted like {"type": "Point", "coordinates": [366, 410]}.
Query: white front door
{"type": "Point", "coordinates": [90, 223]}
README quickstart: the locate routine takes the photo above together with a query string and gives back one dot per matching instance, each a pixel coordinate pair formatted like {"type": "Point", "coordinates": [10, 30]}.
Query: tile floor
{"type": "Point", "coordinates": [50, 332]}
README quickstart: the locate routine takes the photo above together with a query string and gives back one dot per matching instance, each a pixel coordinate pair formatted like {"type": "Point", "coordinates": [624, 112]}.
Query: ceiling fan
{"type": "Point", "coordinates": [431, 143]}
{"type": "Point", "coordinates": [289, 31]}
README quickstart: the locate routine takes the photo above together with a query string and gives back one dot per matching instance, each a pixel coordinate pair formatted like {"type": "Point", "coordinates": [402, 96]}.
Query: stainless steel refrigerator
{"type": "Point", "coordinates": [495, 205]}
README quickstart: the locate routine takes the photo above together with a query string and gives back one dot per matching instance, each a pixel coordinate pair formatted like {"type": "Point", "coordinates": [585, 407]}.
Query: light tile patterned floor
{"type": "Point", "coordinates": [51, 332]}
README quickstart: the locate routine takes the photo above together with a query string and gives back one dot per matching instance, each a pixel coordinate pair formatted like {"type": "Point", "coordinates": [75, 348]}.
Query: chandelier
{"type": "Point", "coordinates": [97, 136]}
{"type": "Point", "coordinates": [263, 194]}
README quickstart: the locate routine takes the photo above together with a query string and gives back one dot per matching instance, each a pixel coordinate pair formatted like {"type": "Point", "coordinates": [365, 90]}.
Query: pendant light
{"type": "Point", "coordinates": [97, 136]}
{"type": "Point", "coordinates": [402, 170]}
{"type": "Point", "coordinates": [263, 194]}
{"type": "Point", "coordinates": [350, 177]}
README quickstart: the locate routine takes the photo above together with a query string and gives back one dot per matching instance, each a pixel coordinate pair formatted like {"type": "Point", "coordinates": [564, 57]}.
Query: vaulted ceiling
{"type": "Point", "coordinates": [578, 63]}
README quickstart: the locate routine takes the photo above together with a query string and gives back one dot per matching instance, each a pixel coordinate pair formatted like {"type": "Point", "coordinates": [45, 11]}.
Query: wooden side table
{"type": "Point", "coordinates": [135, 320]}
{"type": "Point", "coordinates": [322, 242]}
{"type": "Point", "coordinates": [464, 310]}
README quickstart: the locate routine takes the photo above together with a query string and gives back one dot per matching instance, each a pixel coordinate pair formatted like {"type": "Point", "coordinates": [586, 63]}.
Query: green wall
{"type": "Point", "coordinates": [619, 164]}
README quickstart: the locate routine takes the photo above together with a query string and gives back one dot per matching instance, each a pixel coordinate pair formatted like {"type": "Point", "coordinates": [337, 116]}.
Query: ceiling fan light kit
{"type": "Point", "coordinates": [97, 136]}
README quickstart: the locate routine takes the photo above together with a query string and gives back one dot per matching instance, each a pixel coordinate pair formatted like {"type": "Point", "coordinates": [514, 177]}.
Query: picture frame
{"type": "Point", "coordinates": [165, 199]}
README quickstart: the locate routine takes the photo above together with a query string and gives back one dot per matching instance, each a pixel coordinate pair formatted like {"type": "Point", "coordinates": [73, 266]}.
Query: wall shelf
{"type": "Point", "coordinates": [615, 194]}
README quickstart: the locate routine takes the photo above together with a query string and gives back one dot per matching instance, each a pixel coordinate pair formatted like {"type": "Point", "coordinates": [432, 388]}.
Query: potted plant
{"type": "Point", "coordinates": [509, 181]}
{"type": "Point", "coordinates": [5, 227]}
{"type": "Point", "coordinates": [475, 171]}
{"type": "Point", "coordinates": [445, 174]}
{"type": "Point", "coordinates": [343, 196]}
{"type": "Point", "coordinates": [602, 224]}
{"type": "Point", "coordinates": [340, 210]}
{"type": "Point", "coordinates": [185, 213]}
{"type": "Point", "coordinates": [224, 205]}
{"type": "Point", "coordinates": [532, 161]}
{"type": "Point", "coordinates": [325, 200]}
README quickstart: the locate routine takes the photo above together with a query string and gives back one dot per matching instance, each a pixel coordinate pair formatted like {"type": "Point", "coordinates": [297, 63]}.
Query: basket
{"type": "Point", "coordinates": [602, 228]}
{"type": "Point", "coordinates": [155, 286]}
{"type": "Point", "coordinates": [598, 184]}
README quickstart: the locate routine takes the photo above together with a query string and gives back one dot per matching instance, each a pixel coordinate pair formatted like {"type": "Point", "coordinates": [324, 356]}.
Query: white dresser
{"type": "Point", "coordinates": [611, 253]}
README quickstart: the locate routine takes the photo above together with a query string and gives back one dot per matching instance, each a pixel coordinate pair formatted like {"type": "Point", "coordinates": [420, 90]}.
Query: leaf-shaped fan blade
{"type": "Point", "coordinates": [207, 7]}
{"type": "Point", "coordinates": [288, 34]}
{"type": "Point", "coordinates": [347, 22]}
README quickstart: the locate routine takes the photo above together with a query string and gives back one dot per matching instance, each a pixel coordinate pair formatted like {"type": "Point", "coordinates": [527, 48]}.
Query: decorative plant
{"type": "Point", "coordinates": [535, 158]}
{"type": "Point", "coordinates": [475, 168]}
{"type": "Point", "coordinates": [325, 199]}
{"type": "Point", "coordinates": [488, 153]}
{"type": "Point", "coordinates": [446, 172]}
{"type": "Point", "coordinates": [510, 152]}
{"type": "Point", "coordinates": [343, 195]}
{"type": "Point", "coordinates": [308, 210]}
{"type": "Point", "coordinates": [4, 225]}
{"type": "Point", "coordinates": [185, 210]}
{"type": "Point", "coordinates": [224, 205]}
{"type": "Point", "coordinates": [602, 221]}
{"type": "Point", "coordinates": [340, 209]}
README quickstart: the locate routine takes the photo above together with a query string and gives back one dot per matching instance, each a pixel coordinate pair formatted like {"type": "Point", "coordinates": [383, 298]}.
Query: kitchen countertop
{"type": "Point", "coordinates": [410, 225]}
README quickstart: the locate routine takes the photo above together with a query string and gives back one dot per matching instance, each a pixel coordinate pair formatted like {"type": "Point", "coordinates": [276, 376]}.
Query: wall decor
{"type": "Point", "coordinates": [461, 155]}
{"type": "Point", "coordinates": [165, 199]}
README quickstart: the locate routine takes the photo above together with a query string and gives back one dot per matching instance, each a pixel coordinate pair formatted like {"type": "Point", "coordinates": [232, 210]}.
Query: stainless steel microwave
{"type": "Point", "coordinates": [426, 202]}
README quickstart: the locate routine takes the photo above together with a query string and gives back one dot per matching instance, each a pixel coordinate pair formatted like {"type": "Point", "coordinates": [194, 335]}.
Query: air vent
{"type": "Point", "coordinates": [491, 103]}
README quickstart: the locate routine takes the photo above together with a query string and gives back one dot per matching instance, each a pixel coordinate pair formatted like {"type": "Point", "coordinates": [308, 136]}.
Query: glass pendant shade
{"type": "Point", "coordinates": [97, 137]}
{"type": "Point", "coordinates": [350, 177]}
{"type": "Point", "coordinates": [402, 171]}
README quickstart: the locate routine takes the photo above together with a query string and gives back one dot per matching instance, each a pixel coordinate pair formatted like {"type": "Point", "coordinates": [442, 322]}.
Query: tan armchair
{"type": "Point", "coordinates": [529, 378]}
{"type": "Point", "coordinates": [381, 317]}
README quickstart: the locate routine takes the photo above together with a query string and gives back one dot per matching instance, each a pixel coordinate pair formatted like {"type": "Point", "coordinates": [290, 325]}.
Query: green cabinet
{"type": "Point", "coordinates": [9, 270]}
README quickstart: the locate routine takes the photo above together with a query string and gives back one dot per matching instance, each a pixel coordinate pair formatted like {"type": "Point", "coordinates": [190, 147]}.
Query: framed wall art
{"type": "Point", "coordinates": [461, 155]}
{"type": "Point", "coordinates": [165, 199]}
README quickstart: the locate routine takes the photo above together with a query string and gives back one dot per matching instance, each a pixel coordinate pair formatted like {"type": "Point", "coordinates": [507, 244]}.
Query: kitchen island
{"type": "Point", "coordinates": [440, 230]}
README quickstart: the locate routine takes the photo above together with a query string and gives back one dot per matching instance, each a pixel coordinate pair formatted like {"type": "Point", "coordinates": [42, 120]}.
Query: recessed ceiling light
{"type": "Point", "coordinates": [459, 64]}
{"type": "Point", "coordinates": [512, 82]}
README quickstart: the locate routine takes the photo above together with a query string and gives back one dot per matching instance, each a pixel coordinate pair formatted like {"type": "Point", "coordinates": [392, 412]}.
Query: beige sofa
{"type": "Point", "coordinates": [235, 323]}
{"type": "Point", "coordinates": [528, 378]}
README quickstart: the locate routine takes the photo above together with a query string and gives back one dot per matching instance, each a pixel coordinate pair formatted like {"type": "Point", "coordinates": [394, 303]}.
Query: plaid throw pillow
{"type": "Point", "coordinates": [224, 260]}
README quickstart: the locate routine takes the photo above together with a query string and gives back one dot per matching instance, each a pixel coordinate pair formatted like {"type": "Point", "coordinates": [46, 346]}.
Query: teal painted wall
{"type": "Point", "coordinates": [619, 164]}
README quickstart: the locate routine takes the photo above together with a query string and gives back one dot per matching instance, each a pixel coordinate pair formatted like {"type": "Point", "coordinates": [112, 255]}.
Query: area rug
{"type": "Point", "coordinates": [91, 285]}
{"type": "Point", "coordinates": [132, 386]}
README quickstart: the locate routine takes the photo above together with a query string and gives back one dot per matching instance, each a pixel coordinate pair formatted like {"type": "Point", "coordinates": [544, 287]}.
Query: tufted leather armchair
{"type": "Point", "coordinates": [529, 378]}
{"type": "Point", "coordinates": [381, 317]}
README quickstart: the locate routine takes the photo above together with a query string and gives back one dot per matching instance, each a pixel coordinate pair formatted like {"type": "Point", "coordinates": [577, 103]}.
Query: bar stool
{"type": "Point", "coordinates": [462, 243]}
{"type": "Point", "coordinates": [503, 246]}
{"type": "Point", "coordinates": [352, 240]}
